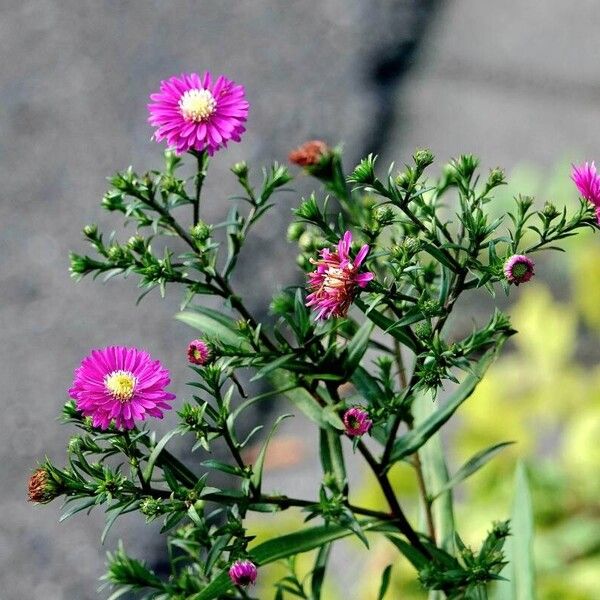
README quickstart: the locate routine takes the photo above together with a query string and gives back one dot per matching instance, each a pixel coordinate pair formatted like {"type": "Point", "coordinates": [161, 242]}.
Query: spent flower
{"type": "Point", "coordinates": [337, 279]}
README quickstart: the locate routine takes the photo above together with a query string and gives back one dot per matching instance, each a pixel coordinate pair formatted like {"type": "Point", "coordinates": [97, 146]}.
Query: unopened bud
{"type": "Point", "coordinates": [309, 154]}
{"type": "Point", "coordinates": [423, 157]}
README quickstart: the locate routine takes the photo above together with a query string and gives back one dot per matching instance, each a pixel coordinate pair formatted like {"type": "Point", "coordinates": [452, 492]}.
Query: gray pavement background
{"type": "Point", "coordinates": [510, 81]}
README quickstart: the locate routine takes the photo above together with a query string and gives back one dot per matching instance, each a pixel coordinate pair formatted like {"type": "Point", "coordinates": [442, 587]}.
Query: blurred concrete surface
{"type": "Point", "coordinates": [511, 81]}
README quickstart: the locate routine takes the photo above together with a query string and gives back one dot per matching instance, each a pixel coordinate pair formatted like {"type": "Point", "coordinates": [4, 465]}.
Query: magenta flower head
{"type": "Point", "coordinates": [120, 384]}
{"type": "Point", "coordinates": [195, 112]}
{"type": "Point", "coordinates": [198, 352]}
{"type": "Point", "coordinates": [337, 279]}
{"type": "Point", "coordinates": [518, 269]}
{"type": "Point", "coordinates": [587, 181]}
{"type": "Point", "coordinates": [357, 421]}
{"type": "Point", "coordinates": [243, 572]}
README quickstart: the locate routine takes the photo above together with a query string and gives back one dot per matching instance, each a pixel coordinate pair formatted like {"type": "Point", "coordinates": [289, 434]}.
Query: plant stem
{"type": "Point", "coordinates": [202, 158]}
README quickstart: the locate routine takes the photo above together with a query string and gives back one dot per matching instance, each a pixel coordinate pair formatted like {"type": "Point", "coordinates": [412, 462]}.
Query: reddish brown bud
{"type": "Point", "coordinates": [309, 154]}
{"type": "Point", "coordinates": [41, 489]}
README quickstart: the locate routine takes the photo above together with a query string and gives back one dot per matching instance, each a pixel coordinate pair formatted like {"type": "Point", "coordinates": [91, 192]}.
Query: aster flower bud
{"type": "Point", "coordinates": [199, 352]}
{"type": "Point", "coordinates": [430, 308]}
{"type": "Point", "coordinates": [90, 232]}
{"type": "Point", "coordinates": [423, 330]}
{"type": "Point", "coordinates": [310, 154]}
{"type": "Point", "coordinates": [404, 179]}
{"type": "Point", "coordinates": [151, 508]}
{"type": "Point", "coordinates": [518, 269]}
{"type": "Point", "coordinates": [137, 243]}
{"type": "Point", "coordinates": [307, 242]}
{"type": "Point", "coordinates": [423, 157]}
{"type": "Point", "coordinates": [243, 572]}
{"type": "Point", "coordinates": [364, 173]}
{"type": "Point", "coordinates": [356, 421]}
{"type": "Point", "coordinates": [495, 178]}
{"type": "Point", "coordinates": [117, 254]}
{"type": "Point", "coordinates": [113, 200]}
{"type": "Point", "coordinates": [201, 231]}
{"type": "Point", "coordinates": [42, 488]}
{"type": "Point", "coordinates": [384, 215]}
{"type": "Point", "coordinates": [294, 231]}
{"type": "Point", "coordinates": [240, 169]}
{"type": "Point", "coordinates": [550, 210]}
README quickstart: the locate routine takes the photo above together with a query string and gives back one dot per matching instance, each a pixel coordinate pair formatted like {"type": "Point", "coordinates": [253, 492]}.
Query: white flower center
{"type": "Point", "coordinates": [121, 385]}
{"type": "Point", "coordinates": [197, 105]}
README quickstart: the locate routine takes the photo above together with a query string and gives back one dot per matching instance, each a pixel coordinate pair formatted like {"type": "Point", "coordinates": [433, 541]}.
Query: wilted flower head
{"type": "Point", "coordinates": [41, 489]}
{"type": "Point", "coordinates": [309, 154]}
{"type": "Point", "coordinates": [120, 384]}
{"type": "Point", "coordinates": [336, 280]}
{"type": "Point", "coordinates": [357, 421]}
{"type": "Point", "coordinates": [518, 269]}
{"type": "Point", "coordinates": [193, 112]}
{"type": "Point", "coordinates": [243, 572]}
{"type": "Point", "coordinates": [198, 352]}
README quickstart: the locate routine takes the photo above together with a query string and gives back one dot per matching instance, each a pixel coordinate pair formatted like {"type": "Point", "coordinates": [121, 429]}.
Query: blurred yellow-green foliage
{"type": "Point", "coordinates": [543, 393]}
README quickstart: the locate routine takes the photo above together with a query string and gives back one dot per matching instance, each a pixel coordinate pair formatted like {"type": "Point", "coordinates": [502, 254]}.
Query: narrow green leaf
{"type": "Point", "coordinates": [387, 324]}
{"type": "Point", "coordinates": [435, 474]}
{"type": "Point", "coordinates": [212, 324]}
{"type": "Point", "coordinates": [218, 465]}
{"type": "Point", "coordinates": [520, 570]}
{"type": "Point", "coordinates": [332, 456]}
{"type": "Point", "coordinates": [275, 364]}
{"type": "Point", "coordinates": [318, 573]}
{"type": "Point", "coordinates": [410, 442]}
{"type": "Point", "coordinates": [279, 548]}
{"type": "Point", "coordinates": [155, 454]}
{"type": "Point", "coordinates": [417, 560]}
{"type": "Point", "coordinates": [358, 346]}
{"type": "Point", "coordinates": [473, 465]}
{"type": "Point", "coordinates": [385, 582]}
{"type": "Point", "coordinates": [304, 401]}
{"type": "Point", "coordinates": [257, 468]}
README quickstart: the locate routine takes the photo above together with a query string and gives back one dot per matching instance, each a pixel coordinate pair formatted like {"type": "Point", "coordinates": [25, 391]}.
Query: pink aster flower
{"type": "Point", "coordinates": [518, 269]}
{"type": "Point", "coordinates": [120, 384]}
{"type": "Point", "coordinates": [337, 279]}
{"type": "Point", "coordinates": [198, 352]}
{"type": "Point", "coordinates": [193, 112]}
{"type": "Point", "coordinates": [357, 421]}
{"type": "Point", "coordinates": [243, 572]}
{"type": "Point", "coordinates": [587, 181]}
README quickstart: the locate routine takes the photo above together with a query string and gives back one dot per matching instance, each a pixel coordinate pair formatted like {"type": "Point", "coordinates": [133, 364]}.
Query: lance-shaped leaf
{"type": "Point", "coordinates": [402, 334]}
{"type": "Point", "coordinates": [520, 570]}
{"type": "Point", "coordinates": [257, 469]}
{"type": "Point", "coordinates": [212, 323]}
{"type": "Point", "coordinates": [332, 456]}
{"type": "Point", "coordinates": [475, 463]}
{"type": "Point", "coordinates": [357, 346]}
{"type": "Point", "coordinates": [385, 582]}
{"type": "Point", "coordinates": [282, 547]}
{"type": "Point", "coordinates": [304, 401]}
{"type": "Point", "coordinates": [410, 442]}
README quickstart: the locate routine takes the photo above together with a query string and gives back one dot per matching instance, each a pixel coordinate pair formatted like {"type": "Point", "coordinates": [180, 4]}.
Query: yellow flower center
{"type": "Point", "coordinates": [197, 105]}
{"type": "Point", "coordinates": [121, 384]}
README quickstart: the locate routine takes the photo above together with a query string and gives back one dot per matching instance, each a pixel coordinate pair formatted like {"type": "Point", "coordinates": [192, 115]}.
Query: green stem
{"type": "Point", "coordinates": [202, 158]}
